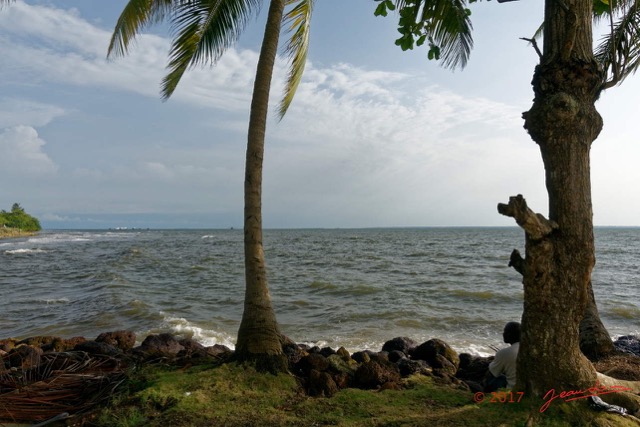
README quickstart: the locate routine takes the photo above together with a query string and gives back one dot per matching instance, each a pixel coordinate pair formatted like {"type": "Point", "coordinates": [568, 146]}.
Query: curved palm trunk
{"type": "Point", "coordinates": [560, 252]}
{"type": "Point", "coordinates": [258, 336]}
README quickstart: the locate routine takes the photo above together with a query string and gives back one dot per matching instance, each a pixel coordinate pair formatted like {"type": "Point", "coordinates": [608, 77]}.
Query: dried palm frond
{"type": "Point", "coordinates": [70, 382]}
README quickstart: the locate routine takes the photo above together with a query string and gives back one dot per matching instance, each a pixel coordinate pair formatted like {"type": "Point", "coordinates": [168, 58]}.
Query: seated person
{"type": "Point", "coordinates": [502, 371]}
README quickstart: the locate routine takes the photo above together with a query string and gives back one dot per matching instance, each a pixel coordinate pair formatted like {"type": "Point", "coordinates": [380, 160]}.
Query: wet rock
{"type": "Point", "coordinates": [24, 356]}
{"type": "Point", "coordinates": [402, 344]}
{"type": "Point", "coordinates": [327, 351]}
{"type": "Point", "coordinates": [124, 340]}
{"type": "Point", "coordinates": [375, 373]}
{"type": "Point", "coordinates": [439, 355]}
{"type": "Point", "coordinates": [629, 344]}
{"type": "Point", "coordinates": [161, 345]}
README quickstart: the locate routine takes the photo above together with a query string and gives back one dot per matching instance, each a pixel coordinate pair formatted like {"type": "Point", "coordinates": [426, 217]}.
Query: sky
{"type": "Point", "coordinates": [375, 137]}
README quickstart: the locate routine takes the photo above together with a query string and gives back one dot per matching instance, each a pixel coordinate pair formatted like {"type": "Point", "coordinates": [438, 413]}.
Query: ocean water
{"type": "Point", "coordinates": [355, 288]}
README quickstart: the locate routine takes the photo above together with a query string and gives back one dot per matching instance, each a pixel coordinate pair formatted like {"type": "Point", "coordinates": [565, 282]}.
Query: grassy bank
{"type": "Point", "coordinates": [234, 396]}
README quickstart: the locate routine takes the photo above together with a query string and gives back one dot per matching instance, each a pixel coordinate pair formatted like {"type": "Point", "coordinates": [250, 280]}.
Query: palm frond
{"type": "Point", "coordinates": [136, 15]}
{"type": "Point", "coordinates": [444, 23]}
{"type": "Point", "coordinates": [619, 51]}
{"type": "Point", "coordinates": [449, 27]}
{"type": "Point", "coordinates": [298, 20]}
{"type": "Point", "coordinates": [202, 31]}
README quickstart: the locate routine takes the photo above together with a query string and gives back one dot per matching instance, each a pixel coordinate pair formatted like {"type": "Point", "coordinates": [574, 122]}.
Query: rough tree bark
{"type": "Point", "coordinates": [560, 252]}
{"type": "Point", "coordinates": [595, 341]}
{"type": "Point", "coordinates": [259, 338]}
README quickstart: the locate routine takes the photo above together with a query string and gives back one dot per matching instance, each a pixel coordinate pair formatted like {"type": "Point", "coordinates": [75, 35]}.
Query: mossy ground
{"type": "Point", "coordinates": [232, 395]}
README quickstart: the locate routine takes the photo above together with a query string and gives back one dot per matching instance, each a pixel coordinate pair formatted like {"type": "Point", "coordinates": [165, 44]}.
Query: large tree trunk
{"type": "Point", "coordinates": [560, 252]}
{"type": "Point", "coordinates": [259, 336]}
{"type": "Point", "coordinates": [595, 341]}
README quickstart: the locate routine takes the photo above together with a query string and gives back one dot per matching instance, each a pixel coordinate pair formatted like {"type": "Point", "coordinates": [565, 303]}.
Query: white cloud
{"type": "Point", "coordinates": [14, 111]}
{"type": "Point", "coordinates": [22, 153]}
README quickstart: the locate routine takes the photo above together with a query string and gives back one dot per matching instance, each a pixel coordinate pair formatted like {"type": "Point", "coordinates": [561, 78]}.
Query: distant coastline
{"type": "Point", "coordinates": [9, 233]}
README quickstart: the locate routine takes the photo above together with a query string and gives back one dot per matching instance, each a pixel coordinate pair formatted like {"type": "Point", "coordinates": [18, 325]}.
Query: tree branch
{"type": "Point", "coordinates": [517, 262]}
{"type": "Point", "coordinates": [534, 44]}
{"type": "Point", "coordinates": [535, 225]}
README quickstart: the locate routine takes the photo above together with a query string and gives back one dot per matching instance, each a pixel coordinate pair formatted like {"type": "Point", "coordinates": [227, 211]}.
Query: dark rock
{"type": "Point", "coordinates": [314, 349]}
{"type": "Point", "coordinates": [313, 361]}
{"type": "Point", "coordinates": [375, 373]}
{"type": "Point", "coordinates": [327, 351]}
{"type": "Point", "coordinates": [344, 354]}
{"type": "Point", "coordinates": [124, 340]}
{"type": "Point", "coordinates": [39, 341]}
{"type": "Point", "coordinates": [402, 344]}
{"type": "Point", "coordinates": [162, 345]}
{"type": "Point", "coordinates": [24, 356]}
{"type": "Point", "coordinates": [629, 344]}
{"type": "Point", "coordinates": [321, 384]}
{"type": "Point", "coordinates": [363, 356]}
{"type": "Point", "coordinates": [60, 344]}
{"type": "Point", "coordinates": [438, 355]}
{"type": "Point", "coordinates": [93, 347]}
{"type": "Point", "coordinates": [294, 352]}
{"type": "Point", "coordinates": [192, 349]}
{"type": "Point", "coordinates": [473, 368]}
{"type": "Point", "coordinates": [219, 351]}
{"type": "Point", "coordinates": [343, 380]}
{"type": "Point", "coordinates": [338, 365]}
{"type": "Point", "coordinates": [396, 355]}
{"type": "Point", "coordinates": [305, 347]}
{"type": "Point", "coordinates": [411, 367]}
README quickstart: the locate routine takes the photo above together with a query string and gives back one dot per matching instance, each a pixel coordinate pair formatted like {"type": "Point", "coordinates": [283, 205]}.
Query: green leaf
{"type": "Point", "coordinates": [421, 40]}
{"type": "Point", "coordinates": [381, 10]}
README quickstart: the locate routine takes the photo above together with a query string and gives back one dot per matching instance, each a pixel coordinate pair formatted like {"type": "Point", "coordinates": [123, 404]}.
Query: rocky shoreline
{"type": "Point", "coordinates": [86, 371]}
{"type": "Point", "coordinates": [12, 233]}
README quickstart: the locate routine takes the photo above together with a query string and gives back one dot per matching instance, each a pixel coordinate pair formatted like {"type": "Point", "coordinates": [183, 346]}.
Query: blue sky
{"type": "Point", "coordinates": [375, 136]}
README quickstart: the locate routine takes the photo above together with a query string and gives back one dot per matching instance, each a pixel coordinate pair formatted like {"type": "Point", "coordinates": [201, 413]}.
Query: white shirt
{"type": "Point", "coordinates": [505, 364]}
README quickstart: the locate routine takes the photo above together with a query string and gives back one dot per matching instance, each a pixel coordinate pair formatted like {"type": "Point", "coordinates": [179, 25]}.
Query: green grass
{"type": "Point", "coordinates": [234, 396]}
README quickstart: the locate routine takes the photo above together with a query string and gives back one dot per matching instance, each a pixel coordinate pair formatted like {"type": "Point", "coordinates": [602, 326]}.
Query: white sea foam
{"type": "Point", "coordinates": [57, 301]}
{"type": "Point", "coordinates": [24, 251]}
{"type": "Point", "coordinates": [208, 236]}
{"type": "Point", "coordinates": [207, 337]}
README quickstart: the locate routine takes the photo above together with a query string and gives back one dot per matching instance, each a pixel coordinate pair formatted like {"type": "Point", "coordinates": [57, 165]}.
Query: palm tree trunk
{"type": "Point", "coordinates": [259, 336]}
{"type": "Point", "coordinates": [560, 252]}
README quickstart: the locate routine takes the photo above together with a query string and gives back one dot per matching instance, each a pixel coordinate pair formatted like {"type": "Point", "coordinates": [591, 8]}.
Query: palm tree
{"type": "Point", "coordinates": [563, 121]}
{"type": "Point", "coordinates": [202, 31]}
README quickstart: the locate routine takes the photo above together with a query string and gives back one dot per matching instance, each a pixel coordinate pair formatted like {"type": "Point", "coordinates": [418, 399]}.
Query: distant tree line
{"type": "Point", "coordinates": [19, 219]}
